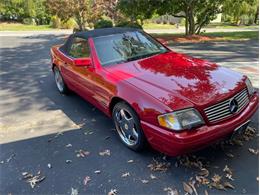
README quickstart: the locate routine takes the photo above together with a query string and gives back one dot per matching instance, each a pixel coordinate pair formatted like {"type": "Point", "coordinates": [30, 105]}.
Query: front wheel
{"type": "Point", "coordinates": [59, 81]}
{"type": "Point", "coordinates": [128, 126]}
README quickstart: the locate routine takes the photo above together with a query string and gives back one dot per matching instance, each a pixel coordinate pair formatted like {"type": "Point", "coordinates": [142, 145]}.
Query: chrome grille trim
{"type": "Point", "coordinates": [221, 110]}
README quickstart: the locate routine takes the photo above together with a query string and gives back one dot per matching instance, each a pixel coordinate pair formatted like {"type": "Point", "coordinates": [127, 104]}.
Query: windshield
{"type": "Point", "coordinates": [119, 48]}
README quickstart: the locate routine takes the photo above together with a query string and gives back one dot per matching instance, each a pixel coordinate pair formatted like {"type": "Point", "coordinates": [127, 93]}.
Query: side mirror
{"type": "Point", "coordinates": [82, 62]}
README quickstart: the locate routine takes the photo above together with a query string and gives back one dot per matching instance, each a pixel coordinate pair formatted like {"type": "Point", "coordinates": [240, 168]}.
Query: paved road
{"type": "Point", "coordinates": [28, 93]}
{"type": "Point", "coordinates": [164, 31]}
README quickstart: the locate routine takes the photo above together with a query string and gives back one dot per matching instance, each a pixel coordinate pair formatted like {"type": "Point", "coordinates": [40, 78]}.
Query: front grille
{"type": "Point", "coordinates": [221, 110]}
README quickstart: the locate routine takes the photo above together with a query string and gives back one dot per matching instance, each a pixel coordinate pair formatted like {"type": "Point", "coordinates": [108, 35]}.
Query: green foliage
{"type": "Point", "coordinates": [128, 24]}
{"type": "Point", "coordinates": [22, 10]}
{"type": "Point", "coordinates": [103, 23]}
{"type": "Point", "coordinates": [29, 21]}
{"type": "Point", "coordinates": [55, 22]}
{"type": "Point", "coordinates": [137, 9]}
{"type": "Point", "coordinates": [70, 24]}
{"type": "Point", "coordinates": [241, 11]}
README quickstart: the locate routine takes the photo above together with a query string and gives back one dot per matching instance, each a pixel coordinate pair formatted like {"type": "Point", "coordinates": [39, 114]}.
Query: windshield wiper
{"type": "Point", "coordinates": [145, 55]}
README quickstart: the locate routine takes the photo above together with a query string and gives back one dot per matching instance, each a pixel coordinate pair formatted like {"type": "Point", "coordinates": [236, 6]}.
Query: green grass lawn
{"type": "Point", "coordinates": [216, 36]}
{"type": "Point", "coordinates": [158, 26]}
{"type": "Point", "coordinates": [22, 27]}
{"type": "Point", "coordinates": [235, 35]}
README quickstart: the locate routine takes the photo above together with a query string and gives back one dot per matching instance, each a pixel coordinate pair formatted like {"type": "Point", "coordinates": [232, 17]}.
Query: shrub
{"type": "Point", "coordinates": [129, 24]}
{"type": "Point", "coordinates": [29, 21]}
{"type": "Point", "coordinates": [55, 22]}
{"type": "Point", "coordinates": [102, 23]}
{"type": "Point", "coordinates": [70, 24]}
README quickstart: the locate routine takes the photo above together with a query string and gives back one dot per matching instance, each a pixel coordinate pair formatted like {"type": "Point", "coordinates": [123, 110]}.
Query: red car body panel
{"type": "Point", "coordinates": [157, 85]}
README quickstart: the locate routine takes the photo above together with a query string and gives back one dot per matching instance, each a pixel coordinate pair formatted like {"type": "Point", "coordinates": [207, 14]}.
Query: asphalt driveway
{"type": "Point", "coordinates": [75, 146]}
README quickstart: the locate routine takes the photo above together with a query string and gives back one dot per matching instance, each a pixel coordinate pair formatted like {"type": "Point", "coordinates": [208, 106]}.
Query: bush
{"type": "Point", "coordinates": [129, 24]}
{"type": "Point", "coordinates": [70, 24]}
{"type": "Point", "coordinates": [103, 24]}
{"type": "Point", "coordinates": [55, 22]}
{"type": "Point", "coordinates": [29, 21]}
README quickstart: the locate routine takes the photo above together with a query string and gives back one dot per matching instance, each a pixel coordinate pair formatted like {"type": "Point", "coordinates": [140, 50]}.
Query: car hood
{"type": "Point", "coordinates": [179, 81]}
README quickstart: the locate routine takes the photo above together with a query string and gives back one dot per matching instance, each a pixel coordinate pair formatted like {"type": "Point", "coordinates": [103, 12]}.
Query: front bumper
{"type": "Point", "coordinates": [177, 143]}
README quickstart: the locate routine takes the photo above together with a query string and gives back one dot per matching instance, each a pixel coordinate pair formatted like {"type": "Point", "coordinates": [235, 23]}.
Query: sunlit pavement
{"type": "Point", "coordinates": [28, 94]}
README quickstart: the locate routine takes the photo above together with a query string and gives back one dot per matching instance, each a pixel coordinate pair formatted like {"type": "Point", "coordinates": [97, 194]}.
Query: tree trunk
{"type": "Point", "coordinates": [256, 15]}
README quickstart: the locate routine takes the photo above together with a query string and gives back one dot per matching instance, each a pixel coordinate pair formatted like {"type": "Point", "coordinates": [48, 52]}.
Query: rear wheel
{"type": "Point", "coordinates": [128, 126]}
{"type": "Point", "coordinates": [59, 81]}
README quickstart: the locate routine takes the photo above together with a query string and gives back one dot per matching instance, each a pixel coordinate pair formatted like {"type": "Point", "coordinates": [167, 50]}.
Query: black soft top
{"type": "Point", "coordinates": [103, 32]}
{"type": "Point", "coordinates": [95, 33]}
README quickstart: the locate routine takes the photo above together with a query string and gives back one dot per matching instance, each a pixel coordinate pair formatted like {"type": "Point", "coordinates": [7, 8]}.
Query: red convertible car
{"type": "Point", "coordinates": [174, 102]}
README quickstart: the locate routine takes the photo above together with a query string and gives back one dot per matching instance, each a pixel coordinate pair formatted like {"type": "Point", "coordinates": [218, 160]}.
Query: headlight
{"type": "Point", "coordinates": [179, 120]}
{"type": "Point", "coordinates": [250, 87]}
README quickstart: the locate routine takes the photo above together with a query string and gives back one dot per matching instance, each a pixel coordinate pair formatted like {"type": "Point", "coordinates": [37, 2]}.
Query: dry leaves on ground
{"type": "Point", "coordinates": [82, 153]}
{"type": "Point", "coordinates": [253, 151]}
{"type": "Point", "coordinates": [125, 174]}
{"type": "Point", "coordinates": [187, 188]}
{"type": "Point", "coordinates": [112, 192]}
{"type": "Point", "coordinates": [145, 181]}
{"type": "Point", "coordinates": [86, 180]}
{"type": "Point", "coordinates": [153, 176]}
{"type": "Point", "coordinates": [105, 153]}
{"type": "Point", "coordinates": [159, 166]}
{"type": "Point", "coordinates": [171, 191]}
{"type": "Point", "coordinates": [33, 179]}
{"type": "Point", "coordinates": [97, 172]}
{"type": "Point", "coordinates": [74, 191]}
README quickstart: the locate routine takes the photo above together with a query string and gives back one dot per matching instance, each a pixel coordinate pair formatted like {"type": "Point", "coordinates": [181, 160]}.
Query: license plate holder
{"type": "Point", "coordinates": [240, 130]}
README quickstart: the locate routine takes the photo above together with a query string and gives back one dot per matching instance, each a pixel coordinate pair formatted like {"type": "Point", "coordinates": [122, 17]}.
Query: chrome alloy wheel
{"type": "Point", "coordinates": [126, 127]}
{"type": "Point", "coordinates": [59, 80]}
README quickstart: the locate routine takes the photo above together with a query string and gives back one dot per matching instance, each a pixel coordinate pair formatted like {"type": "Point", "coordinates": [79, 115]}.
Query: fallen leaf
{"type": "Point", "coordinates": [171, 191]}
{"type": "Point", "coordinates": [74, 191]}
{"type": "Point", "coordinates": [227, 170]}
{"type": "Point", "coordinates": [112, 192]}
{"type": "Point", "coordinates": [49, 165]}
{"type": "Point", "coordinates": [228, 185]}
{"type": "Point", "coordinates": [202, 180]}
{"type": "Point", "coordinates": [68, 161]}
{"type": "Point", "coordinates": [229, 177]}
{"type": "Point", "coordinates": [253, 151]}
{"type": "Point", "coordinates": [130, 161]}
{"type": "Point", "coordinates": [153, 176]}
{"type": "Point", "coordinates": [218, 186]}
{"type": "Point", "coordinates": [10, 158]}
{"type": "Point", "coordinates": [159, 166]}
{"type": "Point", "coordinates": [125, 174]}
{"type": "Point", "coordinates": [187, 188]}
{"type": "Point", "coordinates": [33, 179]}
{"type": "Point", "coordinates": [144, 181]}
{"type": "Point", "coordinates": [204, 172]}
{"type": "Point", "coordinates": [86, 180]}
{"type": "Point", "coordinates": [97, 172]}
{"type": "Point", "coordinates": [229, 155]}
{"type": "Point", "coordinates": [105, 152]}
{"type": "Point", "coordinates": [216, 178]}
{"type": "Point", "coordinates": [192, 185]}
{"type": "Point", "coordinates": [68, 146]}
{"type": "Point", "coordinates": [82, 153]}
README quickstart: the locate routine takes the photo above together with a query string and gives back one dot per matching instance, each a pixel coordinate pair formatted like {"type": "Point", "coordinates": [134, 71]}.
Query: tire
{"type": "Point", "coordinates": [60, 84]}
{"type": "Point", "coordinates": [128, 127]}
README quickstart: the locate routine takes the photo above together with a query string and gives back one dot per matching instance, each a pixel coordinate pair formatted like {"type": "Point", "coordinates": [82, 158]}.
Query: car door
{"type": "Point", "coordinates": [79, 77]}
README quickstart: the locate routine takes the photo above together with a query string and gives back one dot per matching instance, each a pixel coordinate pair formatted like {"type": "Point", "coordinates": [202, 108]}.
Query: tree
{"type": "Point", "coordinates": [83, 11]}
{"type": "Point", "coordinates": [137, 9]}
{"type": "Point", "coordinates": [235, 10]}
{"type": "Point", "coordinates": [197, 13]}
